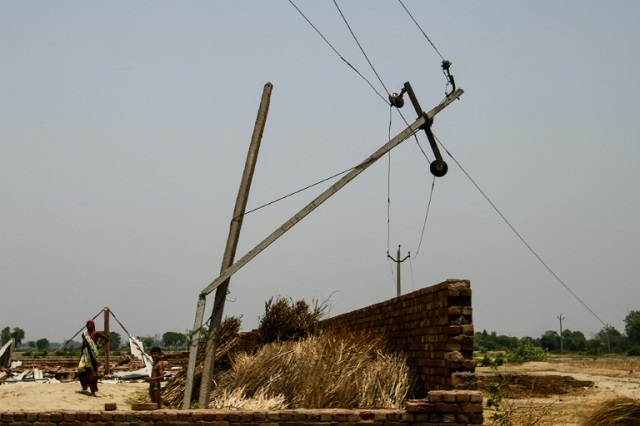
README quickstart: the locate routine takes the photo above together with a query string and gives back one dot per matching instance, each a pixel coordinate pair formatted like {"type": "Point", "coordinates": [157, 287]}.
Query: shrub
{"type": "Point", "coordinates": [525, 352]}
{"type": "Point", "coordinates": [634, 351]}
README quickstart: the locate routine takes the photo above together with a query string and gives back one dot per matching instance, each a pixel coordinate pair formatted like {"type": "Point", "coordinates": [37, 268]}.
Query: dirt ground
{"type": "Point", "coordinates": [32, 396]}
{"type": "Point", "coordinates": [560, 392]}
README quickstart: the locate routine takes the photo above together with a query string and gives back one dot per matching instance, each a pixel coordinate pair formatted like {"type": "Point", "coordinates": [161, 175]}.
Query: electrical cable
{"type": "Point", "coordinates": [360, 46]}
{"type": "Point", "coordinates": [337, 53]}
{"type": "Point", "coordinates": [294, 193]}
{"type": "Point", "coordinates": [420, 28]}
{"type": "Point", "coordinates": [389, 185]}
{"type": "Point", "coordinates": [424, 225]}
{"type": "Point", "coordinates": [520, 236]}
{"type": "Point", "coordinates": [445, 63]}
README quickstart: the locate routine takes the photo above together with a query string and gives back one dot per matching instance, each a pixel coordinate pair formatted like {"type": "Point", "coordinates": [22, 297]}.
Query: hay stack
{"type": "Point", "coordinates": [617, 411]}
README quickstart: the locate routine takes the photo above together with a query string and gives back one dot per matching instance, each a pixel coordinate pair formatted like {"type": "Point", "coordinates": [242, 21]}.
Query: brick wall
{"type": "Point", "coordinates": [453, 408]}
{"type": "Point", "coordinates": [433, 327]}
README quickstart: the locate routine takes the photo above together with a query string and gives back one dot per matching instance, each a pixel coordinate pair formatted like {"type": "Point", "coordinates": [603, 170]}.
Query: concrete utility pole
{"type": "Point", "coordinates": [227, 260]}
{"type": "Point", "coordinates": [423, 122]}
{"type": "Point", "coordinates": [398, 262]}
{"type": "Point", "coordinates": [561, 338]}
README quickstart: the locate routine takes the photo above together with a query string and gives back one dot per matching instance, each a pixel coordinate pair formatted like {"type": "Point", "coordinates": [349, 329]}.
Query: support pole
{"type": "Point", "coordinates": [107, 346]}
{"type": "Point", "coordinates": [232, 244]}
{"type": "Point", "coordinates": [193, 352]}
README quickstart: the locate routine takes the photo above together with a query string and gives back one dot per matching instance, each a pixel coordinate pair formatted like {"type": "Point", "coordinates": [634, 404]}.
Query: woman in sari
{"type": "Point", "coordinates": [88, 365]}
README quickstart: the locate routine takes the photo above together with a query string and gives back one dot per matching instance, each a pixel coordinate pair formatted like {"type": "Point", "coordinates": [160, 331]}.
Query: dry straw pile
{"type": "Point", "coordinates": [618, 412]}
{"type": "Point", "coordinates": [325, 371]}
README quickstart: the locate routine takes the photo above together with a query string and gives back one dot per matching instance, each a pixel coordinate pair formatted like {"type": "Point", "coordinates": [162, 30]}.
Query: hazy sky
{"type": "Point", "coordinates": [124, 128]}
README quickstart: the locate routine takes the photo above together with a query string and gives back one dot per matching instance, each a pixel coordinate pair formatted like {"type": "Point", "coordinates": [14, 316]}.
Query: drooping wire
{"type": "Point", "coordinates": [360, 46]}
{"type": "Point", "coordinates": [424, 225]}
{"type": "Point", "coordinates": [389, 184]}
{"type": "Point", "coordinates": [520, 236]}
{"type": "Point", "coordinates": [337, 53]}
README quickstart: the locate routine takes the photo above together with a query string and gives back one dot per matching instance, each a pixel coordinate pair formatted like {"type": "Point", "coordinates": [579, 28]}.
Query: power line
{"type": "Point", "coordinates": [522, 238]}
{"type": "Point", "coordinates": [424, 225]}
{"type": "Point", "coordinates": [337, 53]}
{"type": "Point", "coordinates": [420, 28]}
{"type": "Point", "coordinates": [360, 46]}
{"type": "Point", "coordinates": [295, 192]}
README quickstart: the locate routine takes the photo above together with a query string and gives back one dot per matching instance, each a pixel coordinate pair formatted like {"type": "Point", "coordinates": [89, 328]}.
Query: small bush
{"type": "Point", "coordinates": [526, 352]}
{"type": "Point", "coordinates": [634, 351]}
{"type": "Point", "coordinates": [487, 361]}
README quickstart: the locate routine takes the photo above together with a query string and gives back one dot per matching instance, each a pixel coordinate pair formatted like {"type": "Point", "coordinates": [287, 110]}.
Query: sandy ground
{"type": "Point", "coordinates": [32, 396]}
{"type": "Point", "coordinates": [610, 380]}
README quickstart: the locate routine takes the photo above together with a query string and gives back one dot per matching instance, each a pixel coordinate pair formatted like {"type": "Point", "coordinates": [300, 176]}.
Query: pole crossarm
{"type": "Point", "coordinates": [424, 119]}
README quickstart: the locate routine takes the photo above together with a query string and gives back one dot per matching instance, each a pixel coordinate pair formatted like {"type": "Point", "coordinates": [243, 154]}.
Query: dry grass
{"type": "Point", "coordinates": [326, 371]}
{"type": "Point", "coordinates": [618, 411]}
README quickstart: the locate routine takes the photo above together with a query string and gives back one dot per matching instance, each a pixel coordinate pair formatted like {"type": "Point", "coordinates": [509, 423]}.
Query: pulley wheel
{"type": "Point", "coordinates": [438, 169]}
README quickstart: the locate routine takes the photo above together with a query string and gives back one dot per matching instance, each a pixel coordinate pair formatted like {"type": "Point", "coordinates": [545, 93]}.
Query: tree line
{"type": "Point", "coordinates": [168, 340]}
{"type": "Point", "coordinates": [607, 340]}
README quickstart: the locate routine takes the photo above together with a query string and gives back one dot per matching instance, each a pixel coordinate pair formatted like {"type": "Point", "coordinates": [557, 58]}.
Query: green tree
{"type": "Point", "coordinates": [550, 341]}
{"type": "Point", "coordinates": [574, 341]}
{"type": "Point", "coordinates": [18, 335]}
{"type": "Point", "coordinates": [608, 339]}
{"type": "Point", "coordinates": [172, 339]}
{"type": "Point", "coordinates": [42, 344]}
{"type": "Point", "coordinates": [632, 327]}
{"type": "Point", "coordinates": [5, 335]}
{"type": "Point", "coordinates": [115, 341]}
{"type": "Point", "coordinates": [147, 341]}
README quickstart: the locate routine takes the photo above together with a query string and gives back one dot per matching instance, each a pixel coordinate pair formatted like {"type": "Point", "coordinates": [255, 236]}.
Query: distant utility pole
{"type": "Point", "coordinates": [561, 339]}
{"type": "Point", "coordinates": [398, 262]}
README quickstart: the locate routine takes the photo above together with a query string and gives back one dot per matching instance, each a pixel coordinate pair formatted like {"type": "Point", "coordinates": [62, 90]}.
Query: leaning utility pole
{"type": "Point", "coordinates": [438, 168]}
{"type": "Point", "coordinates": [227, 260]}
{"type": "Point", "coordinates": [398, 262]}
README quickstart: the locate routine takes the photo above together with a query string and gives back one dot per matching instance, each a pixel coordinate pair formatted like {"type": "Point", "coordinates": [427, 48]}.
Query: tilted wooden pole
{"type": "Point", "coordinates": [423, 119]}
{"type": "Point", "coordinates": [227, 260]}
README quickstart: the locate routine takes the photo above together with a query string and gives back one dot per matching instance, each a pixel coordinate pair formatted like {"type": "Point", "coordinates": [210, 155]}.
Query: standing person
{"type": "Point", "coordinates": [157, 374]}
{"type": "Point", "coordinates": [88, 365]}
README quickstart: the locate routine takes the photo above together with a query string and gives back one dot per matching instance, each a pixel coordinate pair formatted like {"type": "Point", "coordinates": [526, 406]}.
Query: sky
{"type": "Point", "coordinates": [124, 129]}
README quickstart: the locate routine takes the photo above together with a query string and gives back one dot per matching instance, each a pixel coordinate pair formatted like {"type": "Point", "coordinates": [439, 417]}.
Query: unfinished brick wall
{"type": "Point", "coordinates": [432, 327]}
